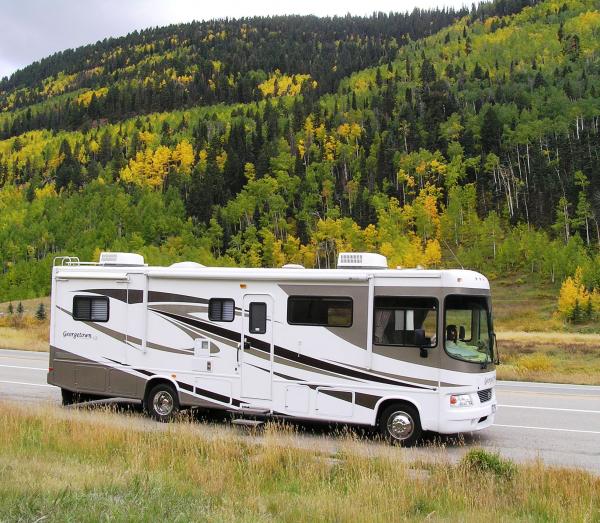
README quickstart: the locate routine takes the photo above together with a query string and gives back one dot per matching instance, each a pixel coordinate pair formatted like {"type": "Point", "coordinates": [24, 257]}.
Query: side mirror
{"type": "Point", "coordinates": [420, 341]}
{"type": "Point", "coordinates": [461, 332]}
{"type": "Point", "coordinates": [495, 349]}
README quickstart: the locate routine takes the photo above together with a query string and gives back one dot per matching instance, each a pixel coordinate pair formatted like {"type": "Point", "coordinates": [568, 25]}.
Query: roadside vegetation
{"type": "Point", "coordinates": [66, 468]}
{"type": "Point", "coordinates": [25, 324]}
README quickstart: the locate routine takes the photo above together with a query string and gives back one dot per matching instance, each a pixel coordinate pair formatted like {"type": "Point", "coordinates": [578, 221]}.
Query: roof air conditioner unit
{"type": "Point", "coordinates": [361, 260]}
{"type": "Point", "coordinates": [187, 265]}
{"type": "Point", "coordinates": [121, 259]}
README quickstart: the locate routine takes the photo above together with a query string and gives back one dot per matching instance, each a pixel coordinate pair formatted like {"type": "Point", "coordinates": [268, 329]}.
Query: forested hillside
{"type": "Point", "coordinates": [289, 139]}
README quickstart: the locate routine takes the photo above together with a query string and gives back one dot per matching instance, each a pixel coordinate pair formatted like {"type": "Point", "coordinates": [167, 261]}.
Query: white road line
{"type": "Point", "coordinates": [19, 367]}
{"type": "Point", "coordinates": [547, 428]}
{"type": "Point", "coordinates": [29, 384]}
{"type": "Point", "coordinates": [533, 385]}
{"type": "Point", "coordinates": [549, 408]}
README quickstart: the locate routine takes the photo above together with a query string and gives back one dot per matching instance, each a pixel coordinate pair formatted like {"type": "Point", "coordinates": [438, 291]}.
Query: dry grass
{"type": "Point", "coordinates": [57, 468]}
{"type": "Point", "coordinates": [550, 357]}
{"type": "Point", "coordinates": [24, 332]}
{"type": "Point", "coordinates": [31, 336]}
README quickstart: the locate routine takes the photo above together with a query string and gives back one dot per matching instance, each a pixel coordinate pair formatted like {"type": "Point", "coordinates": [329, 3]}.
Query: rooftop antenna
{"type": "Point", "coordinates": [455, 256]}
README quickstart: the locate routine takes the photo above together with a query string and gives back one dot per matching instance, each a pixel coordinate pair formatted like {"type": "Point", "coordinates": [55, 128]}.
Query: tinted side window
{"type": "Point", "coordinates": [221, 309]}
{"type": "Point", "coordinates": [90, 308]}
{"type": "Point", "coordinates": [258, 318]}
{"type": "Point", "coordinates": [316, 310]}
{"type": "Point", "coordinates": [398, 317]}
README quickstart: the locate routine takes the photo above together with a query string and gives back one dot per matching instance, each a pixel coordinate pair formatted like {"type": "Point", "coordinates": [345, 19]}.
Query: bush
{"type": "Point", "coordinates": [482, 461]}
{"type": "Point", "coordinates": [535, 362]}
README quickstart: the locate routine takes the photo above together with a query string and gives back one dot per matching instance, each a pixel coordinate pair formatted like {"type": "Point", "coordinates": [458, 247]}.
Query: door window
{"type": "Point", "coordinates": [258, 318]}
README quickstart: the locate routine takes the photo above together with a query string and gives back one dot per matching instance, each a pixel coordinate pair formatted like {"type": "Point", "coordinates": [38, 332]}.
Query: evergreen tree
{"type": "Point", "coordinates": [40, 313]}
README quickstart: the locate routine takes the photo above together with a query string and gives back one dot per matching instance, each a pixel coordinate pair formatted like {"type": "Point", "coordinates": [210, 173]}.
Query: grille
{"type": "Point", "coordinates": [484, 395]}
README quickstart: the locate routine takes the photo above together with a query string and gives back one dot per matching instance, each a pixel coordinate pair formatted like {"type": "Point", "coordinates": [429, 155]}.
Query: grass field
{"type": "Point", "coordinates": [82, 468]}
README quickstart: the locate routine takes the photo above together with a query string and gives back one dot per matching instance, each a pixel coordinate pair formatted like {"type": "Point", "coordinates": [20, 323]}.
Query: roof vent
{"type": "Point", "coordinates": [361, 260]}
{"type": "Point", "coordinates": [293, 266]}
{"type": "Point", "coordinates": [121, 259]}
{"type": "Point", "coordinates": [187, 265]}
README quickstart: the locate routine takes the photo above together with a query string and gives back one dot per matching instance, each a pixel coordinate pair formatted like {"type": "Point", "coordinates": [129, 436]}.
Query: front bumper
{"type": "Point", "coordinates": [467, 419]}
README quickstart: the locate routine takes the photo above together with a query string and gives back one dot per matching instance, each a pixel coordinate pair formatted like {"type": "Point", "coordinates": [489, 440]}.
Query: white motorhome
{"type": "Point", "coordinates": [402, 349]}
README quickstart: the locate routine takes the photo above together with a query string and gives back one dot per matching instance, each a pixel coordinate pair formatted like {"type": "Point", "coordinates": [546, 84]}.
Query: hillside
{"type": "Point", "coordinates": [477, 144]}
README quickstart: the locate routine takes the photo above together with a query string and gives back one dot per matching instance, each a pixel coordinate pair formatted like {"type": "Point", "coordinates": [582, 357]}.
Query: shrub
{"type": "Point", "coordinates": [535, 362]}
{"type": "Point", "coordinates": [482, 461]}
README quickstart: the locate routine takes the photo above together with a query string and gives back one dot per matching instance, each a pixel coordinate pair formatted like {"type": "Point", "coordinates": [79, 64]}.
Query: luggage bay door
{"type": "Point", "coordinates": [257, 346]}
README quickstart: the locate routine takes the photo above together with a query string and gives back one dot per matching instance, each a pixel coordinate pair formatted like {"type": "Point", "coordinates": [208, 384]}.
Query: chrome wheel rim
{"type": "Point", "coordinates": [400, 425]}
{"type": "Point", "coordinates": [163, 403]}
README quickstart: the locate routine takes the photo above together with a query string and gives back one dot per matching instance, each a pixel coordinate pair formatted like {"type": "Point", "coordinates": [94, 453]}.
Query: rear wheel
{"type": "Point", "coordinates": [162, 403]}
{"type": "Point", "coordinates": [400, 424]}
{"type": "Point", "coordinates": [68, 397]}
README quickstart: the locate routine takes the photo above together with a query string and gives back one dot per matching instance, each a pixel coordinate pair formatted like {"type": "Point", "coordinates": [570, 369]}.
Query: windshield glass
{"type": "Point", "coordinates": [468, 334]}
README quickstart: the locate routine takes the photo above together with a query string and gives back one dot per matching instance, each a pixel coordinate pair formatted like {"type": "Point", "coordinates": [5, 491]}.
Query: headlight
{"type": "Point", "coordinates": [461, 400]}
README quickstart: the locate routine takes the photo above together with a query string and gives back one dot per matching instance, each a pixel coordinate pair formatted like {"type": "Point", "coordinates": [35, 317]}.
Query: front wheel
{"type": "Point", "coordinates": [400, 425]}
{"type": "Point", "coordinates": [162, 403]}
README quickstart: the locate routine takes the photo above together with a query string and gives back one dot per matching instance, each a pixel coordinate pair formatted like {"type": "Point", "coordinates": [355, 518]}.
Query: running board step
{"type": "Point", "coordinates": [247, 422]}
{"type": "Point", "coordinates": [254, 412]}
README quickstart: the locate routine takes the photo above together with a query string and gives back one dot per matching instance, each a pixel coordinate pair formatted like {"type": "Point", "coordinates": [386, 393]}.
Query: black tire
{"type": "Point", "coordinates": [162, 402]}
{"type": "Point", "coordinates": [400, 424]}
{"type": "Point", "coordinates": [68, 397]}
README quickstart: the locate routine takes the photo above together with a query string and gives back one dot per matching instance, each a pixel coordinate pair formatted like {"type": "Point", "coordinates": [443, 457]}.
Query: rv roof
{"type": "Point", "coordinates": [413, 277]}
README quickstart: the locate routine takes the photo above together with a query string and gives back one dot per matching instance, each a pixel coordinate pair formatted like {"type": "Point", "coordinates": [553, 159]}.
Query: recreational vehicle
{"type": "Point", "coordinates": [406, 350]}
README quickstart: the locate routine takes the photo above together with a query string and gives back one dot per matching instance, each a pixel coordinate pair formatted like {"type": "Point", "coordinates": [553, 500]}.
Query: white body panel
{"type": "Point", "coordinates": [159, 328]}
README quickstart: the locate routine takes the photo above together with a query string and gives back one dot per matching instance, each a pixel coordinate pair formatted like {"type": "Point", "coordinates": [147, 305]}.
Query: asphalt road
{"type": "Point", "coordinates": [559, 424]}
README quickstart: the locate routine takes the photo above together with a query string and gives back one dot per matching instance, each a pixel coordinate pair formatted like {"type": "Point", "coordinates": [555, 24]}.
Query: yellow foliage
{"type": "Point", "coordinates": [281, 84]}
{"type": "Point", "coordinates": [183, 156]}
{"type": "Point", "coordinates": [202, 156]}
{"type": "Point", "coordinates": [573, 294]}
{"type": "Point", "coordinates": [147, 137]}
{"type": "Point", "coordinates": [433, 254]}
{"type": "Point", "coordinates": [59, 84]}
{"type": "Point", "coordinates": [85, 98]}
{"type": "Point", "coordinates": [249, 171]}
{"type": "Point", "coordinates": [149, 168]}
{"type": "Point", "coordinates": [221, 159]}
{"type": "Point", "coordinates": [47, 191]}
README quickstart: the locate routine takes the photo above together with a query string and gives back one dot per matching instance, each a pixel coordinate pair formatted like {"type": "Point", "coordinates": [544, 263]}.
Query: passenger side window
{"type": "Point", "coordinates": [319, 310]}
{"type": "Point", "coordinates": [221, 309]}
{"type": "Point", "coordinates": [90, 308]}
{"type": "Point", "coordinates": [258, 318]}
{"type": "Point", "coordinates": [397, 318]}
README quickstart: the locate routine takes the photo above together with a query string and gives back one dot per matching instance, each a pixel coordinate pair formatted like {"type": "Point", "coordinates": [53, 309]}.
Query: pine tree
{"type": "Point", "coordinates": [40, 313]}
{"type": "Point", "coordinates": [20, 309]}
{"type": "Point", "coordinates": [10, 309]}
{"type": "Point", "coordinates": [589, 310]}
{"type": "Point", "coordinates": [577, 313]}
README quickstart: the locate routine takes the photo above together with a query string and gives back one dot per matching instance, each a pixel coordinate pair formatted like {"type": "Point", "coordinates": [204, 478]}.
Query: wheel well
{"type": "Point", "coordinates": [393, 401]}
{"type": "Point", "coordinates": [156, 381]}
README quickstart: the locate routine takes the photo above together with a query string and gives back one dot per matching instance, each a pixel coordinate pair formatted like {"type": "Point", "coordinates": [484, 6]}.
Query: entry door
{"type": "Point", "coordinates": [257, 346]}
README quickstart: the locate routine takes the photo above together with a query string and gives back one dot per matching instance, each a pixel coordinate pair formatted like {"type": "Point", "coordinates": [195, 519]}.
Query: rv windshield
{"type": "Point", "coordinates": [468, 328]}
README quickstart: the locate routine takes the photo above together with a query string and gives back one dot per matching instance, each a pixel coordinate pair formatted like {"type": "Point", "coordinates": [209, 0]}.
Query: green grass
{"type": "Point", "coordinates": [79, 467]}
